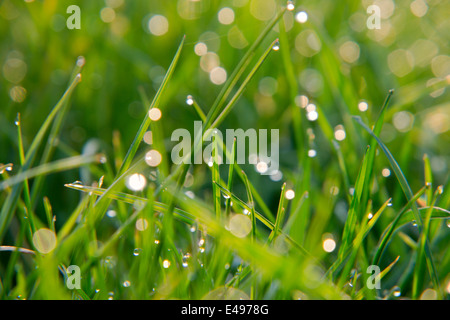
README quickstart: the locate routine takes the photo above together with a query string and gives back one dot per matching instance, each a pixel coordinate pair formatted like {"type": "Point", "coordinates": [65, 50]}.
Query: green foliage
{"type": "Point", "coordinates": [363, 171]}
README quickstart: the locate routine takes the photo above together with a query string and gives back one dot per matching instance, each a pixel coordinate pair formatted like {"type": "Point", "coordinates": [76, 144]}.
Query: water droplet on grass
{"type": "Point", "coordinates": [7, 167]}
{"type": "Point", "coordinates": [396, 291]}
{"type": "Point", "coordinates": [276, 46]}
{"type": "Point", "coordinates": [189, 100]}
{"type": "Point", "coordinates": [126, 283]}
{"type": "Point", "coordinates": [137, 251]}
{"type": "Point", "coordinates": [290, 5]}
{"type": "Point", "coordinates": [166, 264]}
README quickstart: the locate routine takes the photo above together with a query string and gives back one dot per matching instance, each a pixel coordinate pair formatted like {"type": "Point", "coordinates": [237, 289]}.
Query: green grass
{"type": "Point", "coordinates": [381, 194]}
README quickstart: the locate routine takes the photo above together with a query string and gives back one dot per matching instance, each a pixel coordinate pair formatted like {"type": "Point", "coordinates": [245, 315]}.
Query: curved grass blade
{"type": "Point", "coordinates": [11, 201]}
{"type": "Point", "coordinates": [155, 103]}
{"type": "Point", "coordinates": [352, 217]}
{"type": "Point", "coordinates": [409, 195]}
{"type": "Point", "coordinates": [280, 214]}
{"type": "Point", "coordinates": [54, 133]}
{"type": "Point", "coordinates": [240, 90]}
{"type": "Point", "coordinates": [47, 168]}
{"type": "Point", "coordinates": [239, 70]}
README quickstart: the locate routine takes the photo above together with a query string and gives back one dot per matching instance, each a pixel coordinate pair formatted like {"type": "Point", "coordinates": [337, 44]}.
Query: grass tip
{"type": "Point", "coordinates": [81, 61]}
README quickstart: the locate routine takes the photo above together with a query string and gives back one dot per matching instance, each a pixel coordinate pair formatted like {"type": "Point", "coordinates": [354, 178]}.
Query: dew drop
{"type": "Point", "coordinates": [156, 241]}
{"type": "Point", "coordinates": [193, 229]}
{"type": "Point", "coordinates": [111, 213]}
{"type": "Point", "coordinates": [312, 153]}
{"type": "Point", "coordinates": [185, 259]}
{"type": "Point", "coordinates": [137, 251]}
{"type": "Point", "coordinates": [189, 100]}
{"type": "Point", "coordinates": [126, 283]}
{"type": "Point", "coordinates": [7, 167]}
{"type": "Point", "coordinates": [396, 291]}
{"type": "Point", "coordinates": [276, 46]}
{"type": "Point", "coordinates": [290, 5]}
{"type": "Point", "coordinates": [166, 264]}
{"type": "Point", "coordinates": [414, 223]}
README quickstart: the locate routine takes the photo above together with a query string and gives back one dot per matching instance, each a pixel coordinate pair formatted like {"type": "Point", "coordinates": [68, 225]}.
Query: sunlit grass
{"type": "Point", "coordinates": [363, 176]}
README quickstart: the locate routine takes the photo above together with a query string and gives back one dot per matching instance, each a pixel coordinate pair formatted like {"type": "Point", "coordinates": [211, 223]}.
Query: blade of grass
{"type": "Point", "coordinates": [47, 168]}
{"type": "Point", "coordinates": [11, 201]}
{"type": "Point", "coordinates": [419, 271]}
{"type": "Point", "coordinates": [26, 187]}
{"type": "Point", "coordinates": [54, 133]}
{"type": "Point", "coordinates": [352, 217]}
{"type": "Point", "coordinates": [409, 195]}
{"type": "Point", "coordinates": [239, 70]}
{"type": "Point", "coordinates": [146, 122]}
{"type": "Point", "coordinates": [357, 242]}
{"type": "Point", "coordinates": [216, 177]}
{"type": "Point", "coordinates": [232, 160]}
{"type": "Point", "coordinates": [428, 178]}
{"type": "Point", "coordinates": [280, 215]}
{"type": "Point", "coordinates": [240, 90]}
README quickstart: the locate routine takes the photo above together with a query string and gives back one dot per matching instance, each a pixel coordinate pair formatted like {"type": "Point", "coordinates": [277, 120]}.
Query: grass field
{"type": "Point", "coordinates": [93, 207]}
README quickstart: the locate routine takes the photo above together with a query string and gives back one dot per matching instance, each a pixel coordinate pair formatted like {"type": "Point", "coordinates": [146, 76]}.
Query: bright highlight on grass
{"type": "Point", "coordinates": [136, 182]}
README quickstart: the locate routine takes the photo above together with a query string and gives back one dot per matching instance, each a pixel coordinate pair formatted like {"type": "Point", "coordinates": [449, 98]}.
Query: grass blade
{"type": "Point", "coordinates": [409, 195]}
{"type": "Point", "coordinates": [155, 103]}
{"type": "Point", "coordinates": [240, 90]}
{"type": "Point", "coordinates": [239, 70]}
{"type": "Point", "coordinates": [11, 201]}
{"type": "Point", "coordinates": [280, 214]}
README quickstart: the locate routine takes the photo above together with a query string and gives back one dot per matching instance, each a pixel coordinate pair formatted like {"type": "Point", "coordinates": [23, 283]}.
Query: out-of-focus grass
{"type": "Point", "coordinates": [195, 229]}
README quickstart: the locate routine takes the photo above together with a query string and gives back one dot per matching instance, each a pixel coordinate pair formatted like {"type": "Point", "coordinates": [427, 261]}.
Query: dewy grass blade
{"type": "Point", "coordinates": [409, 195]}
{"type": "Point", "coordinates": [371, 160]}
{"type": "Point", "coordinates": [280, 214]}
{"type": "Point", "coordinates": [54, 133]}
{"type": "Point", "coordinates": [102, 202]}
{"type": "Point", "coordinates": [419, 270]}
{"type": "Point", "coordinates": [387, 234]}
{"type": "Point", "coordinates": [52, 167]}
{"type": "Point", "coordinates": [239, 70]}
{"type": "Point", "coordinates": [428, 178]}
{"type": "Point", "coordinates": [357, 242]}
{"type": "Point", "coordinates": [27, 197]}
{"type": "Point", "coordinates": [251, 204]}
{"type": "Point", "coordinates": [352, 217]}
{"type": "Point", "coordinates": [240, 90]}
{"type": "Point", "coordinates": [232, 160]}
{"type": "Point", "coordinates": [11, 201]}
{"type": "Point", "coordinates": [216, 177]}
{"type": "Point", "coordinates": [155, 103]}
